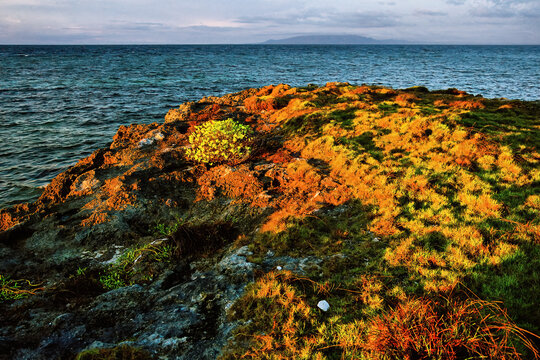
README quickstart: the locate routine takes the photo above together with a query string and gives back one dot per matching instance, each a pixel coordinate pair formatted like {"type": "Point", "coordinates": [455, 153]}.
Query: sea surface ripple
{"type": "Point", "coordinates": [60, 103]}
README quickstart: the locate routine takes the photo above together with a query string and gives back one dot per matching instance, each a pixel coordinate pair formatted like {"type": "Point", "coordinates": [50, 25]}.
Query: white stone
{"type": "Point", "coordinates": [323, 305]}
{"type": "Point", "coordinates": [146, 142]}
{"type": "Point", "coordinates": [159, 136]}
{"type": "Point", "coordinates": [279, 268]}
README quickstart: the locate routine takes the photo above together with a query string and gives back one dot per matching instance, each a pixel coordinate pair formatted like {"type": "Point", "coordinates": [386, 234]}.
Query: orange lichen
{"type": "Point", "coordinates": [131, 135]}
{"type": "Point", "coordinates": [6, 221]}
{"type": "Point", "coordinates": [94, 219]}
{"type": "Point", "coordinates": [256, 103]}
{"type": "Point", "coordinates": [405, 99]}
{"type": "Point", "coordinates": [118, 195]}
{"type": "Point", "coordinates": [237, 183]}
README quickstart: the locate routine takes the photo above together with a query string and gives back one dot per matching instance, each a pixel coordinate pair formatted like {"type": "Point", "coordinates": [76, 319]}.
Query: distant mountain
{"type": "Point", "coordinates": [331, 40]}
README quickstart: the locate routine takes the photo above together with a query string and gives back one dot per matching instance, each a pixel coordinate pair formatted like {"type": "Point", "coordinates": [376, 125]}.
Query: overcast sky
{"type": "Point", "coordinates": [249, 21]}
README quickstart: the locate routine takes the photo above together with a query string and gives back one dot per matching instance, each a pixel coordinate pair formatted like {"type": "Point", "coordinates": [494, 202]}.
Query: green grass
{"type": "Point", "coordinates": [516, 283]}
{"type": "Point", "coordinates": [136, 265]}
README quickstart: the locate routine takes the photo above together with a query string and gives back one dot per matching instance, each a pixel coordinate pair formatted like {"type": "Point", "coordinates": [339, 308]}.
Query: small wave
{"type": "Point", "coordinates": [91, 123]}
{"type": "Point", "coordinates": [48, 173]}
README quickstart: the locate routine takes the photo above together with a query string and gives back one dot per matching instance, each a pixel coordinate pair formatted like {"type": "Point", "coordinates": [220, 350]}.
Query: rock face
{"type": "Point", "coordinates": [138, 245]}
{"type": "Point", "coordinates": [107, 204]}
{"type": "Point", "coordinates": [180, 315]}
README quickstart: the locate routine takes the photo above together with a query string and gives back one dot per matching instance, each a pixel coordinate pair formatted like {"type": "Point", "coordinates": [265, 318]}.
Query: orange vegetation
{"type": "Point", "coordinates": [6, 221]}
{"type": "Point", "coordinates": [467, 104]}
{"type": "Point", "coordinates": [447, 328]}
{"type": "Point", "coordinates": [393, 169]}
{"type": "Point", "coordinates": [455, 327]}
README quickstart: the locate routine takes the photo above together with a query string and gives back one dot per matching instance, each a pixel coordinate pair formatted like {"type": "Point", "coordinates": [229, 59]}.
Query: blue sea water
{"type": "Point", "coordinates": [60, 103]}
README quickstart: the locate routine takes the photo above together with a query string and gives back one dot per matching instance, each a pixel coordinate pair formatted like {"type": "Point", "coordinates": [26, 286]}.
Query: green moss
{"type": "Point", "coordinates": [114, 278]}
{"type": "Point", "coordinates": [327, 98]}
{"type": "Point", "coordinates": [388, 108]}
{"type": "Point", "coordinates": [434, 241]}
{"type": "Point", "coordinates": [343, 117]}
{"type": "Point", "coordinates": [122, 352]}
{"type": "Point", "coordinates": [306, 124]}
{"type": "Point", "coordinates": [321, 234]}
{"type": "Point", "coordinates": [308, 88]}
{"type": "Point", "coordinates": [137, 265]}
{"type": "Point", "coordinates": [429, 110]}
{"type": "Point", "coordinates": [363, 143]}
{"type": "Point", "coordinates": [515, 127]}
{"type": "Point", "coordinates": [515, 196]}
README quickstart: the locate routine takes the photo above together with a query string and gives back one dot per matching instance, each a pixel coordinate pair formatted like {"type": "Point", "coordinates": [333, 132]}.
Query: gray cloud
{"type": "Point", "coordinates": [324, 19]}
{"type": "Point", "coordinates": [497, 9]}
{"type": "Point", "coordinates": [245, 21]}
{"type": "Point", "coordinates": [430, 13]}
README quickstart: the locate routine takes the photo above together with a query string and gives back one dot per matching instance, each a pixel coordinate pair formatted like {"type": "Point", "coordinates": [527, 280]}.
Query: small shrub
{"type": "Point", "coordinates": [219, 141]}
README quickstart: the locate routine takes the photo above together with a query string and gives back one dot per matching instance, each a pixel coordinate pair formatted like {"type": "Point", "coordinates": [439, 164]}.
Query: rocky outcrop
{"type": "Point", "coordinates": [138, 245]}
{"type": "Point", "coordinates": [107, 204]}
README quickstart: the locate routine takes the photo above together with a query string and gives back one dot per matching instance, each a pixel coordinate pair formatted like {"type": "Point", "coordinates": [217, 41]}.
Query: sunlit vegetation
{"type": "Point", "coordinates": [415, 214]}
{"type": "Point", "coordinates": [447, 185]}
{"type": "Point", "coordinates": [284, 323]}
{"type": "Point", "coordinates": [219, 141]}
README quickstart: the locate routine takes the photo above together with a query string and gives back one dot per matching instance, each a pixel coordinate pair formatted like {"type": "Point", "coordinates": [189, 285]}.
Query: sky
{"type": "Point", "coordinates": [253, 21]}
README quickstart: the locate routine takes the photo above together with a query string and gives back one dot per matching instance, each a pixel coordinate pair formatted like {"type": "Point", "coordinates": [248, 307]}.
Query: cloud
{"type": "Point", "coordinates": [499, 8]}
{"type": "Point", "coordinates": [430, 13]}
{"type": "Point", "coordinates": [137, 26]}
{"type": "Point", "coordinates": [247, 21]}
{"type": "Point", "coordinates": [321, 18]}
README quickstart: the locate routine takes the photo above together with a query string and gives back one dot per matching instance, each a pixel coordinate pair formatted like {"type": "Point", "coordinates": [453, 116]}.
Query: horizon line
{"type": "Point", "coordinates": [259, 43]}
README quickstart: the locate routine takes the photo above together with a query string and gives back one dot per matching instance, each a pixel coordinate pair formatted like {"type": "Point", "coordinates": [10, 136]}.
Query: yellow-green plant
{"type": "Point", "coordinates": [219, 141]}
{"type": "Point", "coordinates": [16, 289]}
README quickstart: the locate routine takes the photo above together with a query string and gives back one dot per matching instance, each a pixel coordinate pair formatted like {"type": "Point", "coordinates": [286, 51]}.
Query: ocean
{"type": "Point", "coordinates": [60, 103]}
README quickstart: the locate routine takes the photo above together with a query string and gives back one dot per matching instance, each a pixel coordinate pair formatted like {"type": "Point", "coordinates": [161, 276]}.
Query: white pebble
{"type": "Point", "coordinates": [159, 136]}
{"type": "Point", "coordinates": [279, 268]}
{"type": "Point", "coordinates": [323, 305]}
